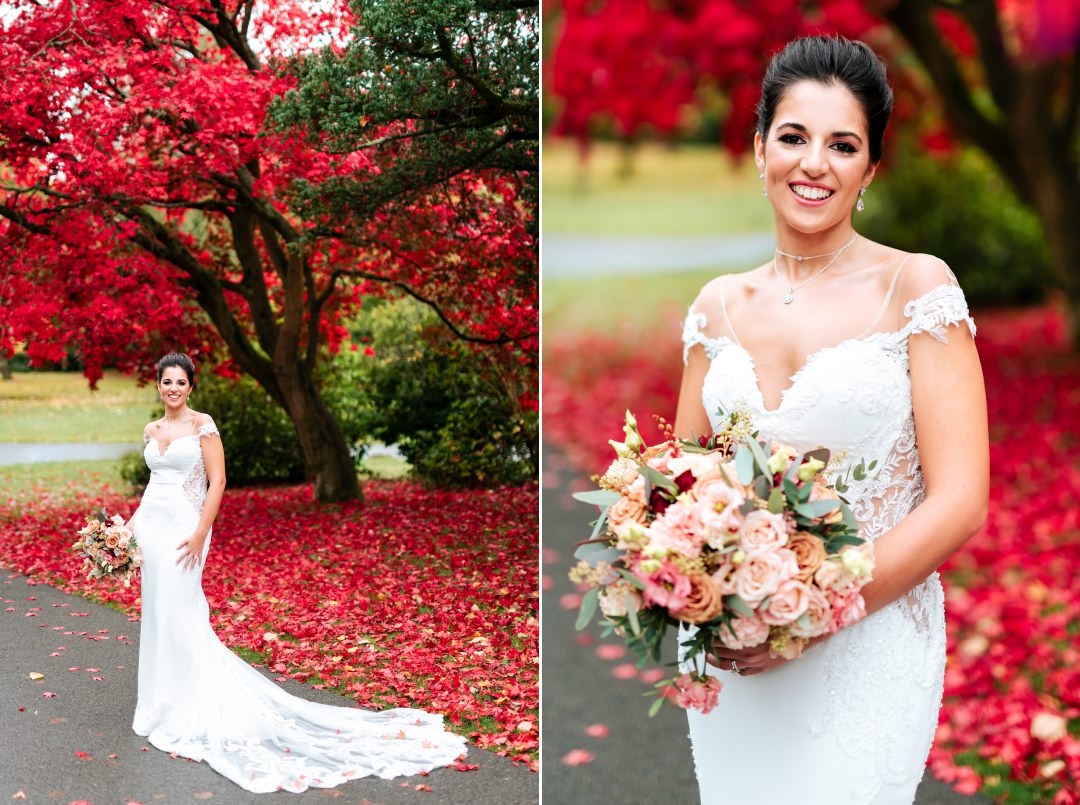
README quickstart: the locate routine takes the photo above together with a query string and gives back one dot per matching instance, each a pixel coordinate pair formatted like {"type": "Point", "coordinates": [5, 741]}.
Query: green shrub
{"type": "Point", "coordinates": [961, 210]}
{"type": "Point", "coordinates": [260, 441]}
{"type": "Point", "coordinates": [454, 411]}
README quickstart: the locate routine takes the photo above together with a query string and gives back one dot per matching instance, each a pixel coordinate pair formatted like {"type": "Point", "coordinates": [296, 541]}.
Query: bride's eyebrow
{"type": "Point", "coordinates": [800, 127]}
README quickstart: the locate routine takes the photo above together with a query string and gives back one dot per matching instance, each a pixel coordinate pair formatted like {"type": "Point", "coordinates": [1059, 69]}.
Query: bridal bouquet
{"type": "Point", "coordinates": [744, 540]}
{"type": "Point", "coordinates": [109, 548]}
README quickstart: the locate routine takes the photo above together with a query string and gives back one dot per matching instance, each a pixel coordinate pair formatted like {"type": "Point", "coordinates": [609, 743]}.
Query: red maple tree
{"type": "Point", "coordinates": [147, 203]}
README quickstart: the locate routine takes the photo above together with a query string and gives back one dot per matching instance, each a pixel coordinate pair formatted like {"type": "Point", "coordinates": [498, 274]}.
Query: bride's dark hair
{"type": "Point", "coordinates": [177, 359]}
{"type": "Point", "coordinates": [830, 60]}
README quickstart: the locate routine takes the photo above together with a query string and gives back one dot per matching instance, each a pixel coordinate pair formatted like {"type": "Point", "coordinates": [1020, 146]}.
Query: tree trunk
{"type": "Point", "coordinates": [5, 369]}
{"type": "Point", "coordinates": [320, 436]}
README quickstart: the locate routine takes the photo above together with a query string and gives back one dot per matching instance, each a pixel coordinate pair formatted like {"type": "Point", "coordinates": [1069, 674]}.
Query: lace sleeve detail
{"type": "Point", "coordinates": [936, 310]}
{"type": "Point", "coordinates": [146, 436]}
{"type": "Point", "coordinates": [208, 429]}
{"type": "Point", "coordinates": [693, 324]}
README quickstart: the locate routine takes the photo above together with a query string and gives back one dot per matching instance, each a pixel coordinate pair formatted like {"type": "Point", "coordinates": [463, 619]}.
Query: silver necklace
{"type": "Point", "coordinates": [789, 297]}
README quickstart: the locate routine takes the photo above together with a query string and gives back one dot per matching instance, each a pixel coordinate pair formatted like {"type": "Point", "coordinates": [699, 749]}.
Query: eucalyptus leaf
{"type": "Point", "coordinates": [823, 507]}
{"type": "Point", "coordinates": [590, 547]}
{"type": "Point", "coordinates": [631, 612]}
{"type": "Point", "coordinates": [598, 524]}
{"type": "Point", "coordinates": [744, 465]}
{"type": "Point", "coordinates": [821, 454]}
{"type": "Point", "coordinates": [805, 510]}
{"type": "Point", "coordinates": [589, 603]}
{"type": "Point", "coordinates": [759, 457]}
{"type": "Point", "coordinates": [736, 604]}
{"type": "Point", "coordinates": [835, 543]}
{"type": "Point", "coordinates": [762, 486]}
{"type": "Point", "coordinates": [659, 479]}
{"type": "Point", "coordinates": [655, 708]}
{"type": "Point", "coordinates": [632, 579]}
{"type": "Point", "coordinates": [776, 501]}
{"type": "Point", "coordinates": [594, 558]}
{"type": "Point", "coordinates": [597, 497]}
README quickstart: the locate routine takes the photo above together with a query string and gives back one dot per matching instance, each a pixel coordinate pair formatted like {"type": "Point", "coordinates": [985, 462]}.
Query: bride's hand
{"type": "Point", "coordinates": [191, 557]}
{"type": "Point", "coordinates": [746, 661]}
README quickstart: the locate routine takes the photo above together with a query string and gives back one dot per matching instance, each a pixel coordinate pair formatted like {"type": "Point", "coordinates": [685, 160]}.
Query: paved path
{"type": "Point", "coordinates": [571, 256]}
{"type": "Point", "coordinates": [641, 760]}
{"type": "Point", "coordinates": [45, 631]}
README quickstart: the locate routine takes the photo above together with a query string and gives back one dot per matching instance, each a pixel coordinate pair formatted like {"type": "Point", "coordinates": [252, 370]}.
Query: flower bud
{"type": "Point", "coordinates": [620, 448]}
{"type": "Point", "coordinates": [810, 469]}
{"type": "Point", "coordinates": [738, 557]}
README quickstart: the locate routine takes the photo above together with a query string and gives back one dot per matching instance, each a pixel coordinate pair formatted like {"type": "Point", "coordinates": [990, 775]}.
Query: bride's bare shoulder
{"type": "Point", "coordinates": [720, 290]}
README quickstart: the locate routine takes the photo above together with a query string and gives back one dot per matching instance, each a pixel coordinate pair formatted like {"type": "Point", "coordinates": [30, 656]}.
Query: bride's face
{"type": "Point", "coordinates": [174, 387]}
{"type": "Point", "coordinates": [815, 156]}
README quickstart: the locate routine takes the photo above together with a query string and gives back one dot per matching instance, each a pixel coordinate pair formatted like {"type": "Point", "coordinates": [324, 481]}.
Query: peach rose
{"type": "Point", "coordinates": [723, 575]}
{"type": "Point", "coordinates": [703, 603]}
{"type": "Point", "coordinates": [791, 648]}
{"type": "Point", "coordinates": [626, 510]}
{"type": "Point", "coordinates": [749, 631]}
{"type": "Point", "coordinates": [817, 613]}
{"type": "Point", "coordinates": [809, 553]}
{"type": "Point", "coordinates": [112, 541]}
{"type": "Point", "coordinates": [762, 532]}
{"type": "Point", "coordinates": [760, 575]}
{"type": "Point", "coordinates": [819, 491]}
{"type": "Point", "coordinates": [785, 605]}
{"type": "Point", "coordinates": [833, 578]}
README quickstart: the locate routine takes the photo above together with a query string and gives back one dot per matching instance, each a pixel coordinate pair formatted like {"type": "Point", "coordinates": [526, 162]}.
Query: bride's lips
{"type": "Point", "coordinates": [811, 202]}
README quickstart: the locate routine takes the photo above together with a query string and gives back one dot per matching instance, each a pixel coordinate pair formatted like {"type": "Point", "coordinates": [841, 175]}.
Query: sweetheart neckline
{"type": "Point", "coordinates": [162, 453]}
{"type": "Point", "coordinates": [794, 378]}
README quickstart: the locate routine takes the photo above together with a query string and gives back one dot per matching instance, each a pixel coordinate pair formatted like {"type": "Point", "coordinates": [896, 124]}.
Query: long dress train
{"type": "Point", "coordinates": [198, 699]}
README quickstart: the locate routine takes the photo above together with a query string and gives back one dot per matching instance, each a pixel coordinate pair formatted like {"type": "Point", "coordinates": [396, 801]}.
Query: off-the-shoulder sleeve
{"type": "Point", "coordinates": [936, 310]}
{"type": "Point", "coordinates": [692, 333]}
{"type": "Point", "coordinates": [208, 429]}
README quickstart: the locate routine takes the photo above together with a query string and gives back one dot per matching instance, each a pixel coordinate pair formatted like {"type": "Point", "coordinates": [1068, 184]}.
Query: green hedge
{"type": "Point", "coordinates": [452, 409]}
{"type": "Point", "coordinates": [260, 442]}
{"type": "Point", "coordinates": [961, 210]}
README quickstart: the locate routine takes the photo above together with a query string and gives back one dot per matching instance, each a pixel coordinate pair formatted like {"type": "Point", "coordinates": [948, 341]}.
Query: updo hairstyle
{"type": "Point", "coordinates": [177, 359]}
{"type": "Point", "coordinates": [830, 60]}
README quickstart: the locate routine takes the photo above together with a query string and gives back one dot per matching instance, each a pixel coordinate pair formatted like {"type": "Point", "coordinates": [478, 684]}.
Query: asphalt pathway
{"type": "Point", "coordinates": [592, 695]}
{"type": "Point", "coordinates": [67, 738]}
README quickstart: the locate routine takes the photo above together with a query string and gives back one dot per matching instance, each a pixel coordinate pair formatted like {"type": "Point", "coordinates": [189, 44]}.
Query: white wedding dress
{"type": "Point", "coordinates": [198, 699]}
{"type": "Point", "coordinates": [853, 719]}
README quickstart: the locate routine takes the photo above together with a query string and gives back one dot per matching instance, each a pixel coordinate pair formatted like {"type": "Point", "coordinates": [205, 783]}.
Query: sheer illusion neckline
{"type": "Point", "coordinates": [865, 336]}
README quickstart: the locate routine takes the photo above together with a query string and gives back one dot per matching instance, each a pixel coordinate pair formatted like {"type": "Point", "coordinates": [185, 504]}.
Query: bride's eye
{"type": "Point", "coordinates": [845, 148]}
{"type": "Point", "coordinates": [790, 139]}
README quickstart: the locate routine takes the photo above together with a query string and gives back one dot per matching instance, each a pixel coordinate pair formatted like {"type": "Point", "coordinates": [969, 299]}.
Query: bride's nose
{"type": "Point", "coordinates": [813, 160]}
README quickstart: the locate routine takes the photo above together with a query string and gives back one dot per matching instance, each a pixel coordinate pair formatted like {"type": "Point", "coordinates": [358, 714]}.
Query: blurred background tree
{"type": "Point", "coordinates": [999, 75]}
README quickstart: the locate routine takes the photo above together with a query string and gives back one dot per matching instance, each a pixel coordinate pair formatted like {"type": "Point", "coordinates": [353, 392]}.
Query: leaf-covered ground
{"type": "Point", "coordinates": [1010, 722]}
{"type": "Point", "coordinates": [418, 597]}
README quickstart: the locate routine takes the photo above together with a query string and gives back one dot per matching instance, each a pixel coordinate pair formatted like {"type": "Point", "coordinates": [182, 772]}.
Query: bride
{"type": "Point", "coordinates": [196, 697]}
{"type": "Point", "coordinates": [850, 344]}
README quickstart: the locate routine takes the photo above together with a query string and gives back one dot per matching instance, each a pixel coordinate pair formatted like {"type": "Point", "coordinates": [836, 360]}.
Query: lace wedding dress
{"type": "Point", "coordinates": [198, 699]}
{"type": "Point", "coordinates": [853, 719]}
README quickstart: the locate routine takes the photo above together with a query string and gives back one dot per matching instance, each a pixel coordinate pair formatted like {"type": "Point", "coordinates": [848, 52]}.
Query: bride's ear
{"type": "Point", "coordinates": [869, 175]}
{"type": "Point", "coordinates": [759, 151]}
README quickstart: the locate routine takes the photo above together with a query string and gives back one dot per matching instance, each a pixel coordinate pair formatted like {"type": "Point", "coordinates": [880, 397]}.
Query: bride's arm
{"type": "Point", "coordinates": [214, 461]}
{"type": "Point", "coordinates": [949, 402]}
{"type": "Point", "coordinates": [691, 420]}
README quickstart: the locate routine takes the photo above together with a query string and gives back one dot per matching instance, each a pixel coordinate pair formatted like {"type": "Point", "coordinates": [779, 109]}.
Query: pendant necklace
{"type": "Point", "coordinates": [789, 297]}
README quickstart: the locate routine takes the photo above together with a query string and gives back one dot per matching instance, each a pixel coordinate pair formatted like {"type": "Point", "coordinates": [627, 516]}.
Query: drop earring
{"type": "Point", "coordinates": [764, 192]}
{"type": "Point", "coordinates": [859, 206]}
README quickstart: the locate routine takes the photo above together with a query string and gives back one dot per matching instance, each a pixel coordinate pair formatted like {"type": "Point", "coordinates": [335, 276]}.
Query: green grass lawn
{"type": "Point", "coordinates": [67, 480]}
{"type": "Point", "coordinates": [688, 190]}
{"type": "Point", "coordinates": [50, 407]}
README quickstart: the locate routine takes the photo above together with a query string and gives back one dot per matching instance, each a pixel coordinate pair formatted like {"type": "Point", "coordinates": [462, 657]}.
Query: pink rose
{"type": "Point", "coordinates": [784, 606]}
{"type": "Point", "coordinates": [666, 587]}
{"type": "Point", "coordinates": [724, 575]}
{"type": "Point", "coordinates": [750, 631]}
{"type": "Point", "coordinates": [760, 575]}
{"type": "Point", "coordinates": [699, 464]}
{"type": "Point", "coordinates": [763, 532]}
{"type": "Point", "coordinates": [689, 691]}
{"type": "Point", "coordinates": [818, 613]}
{"type": "Point", "coordinates": [678, 530]}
